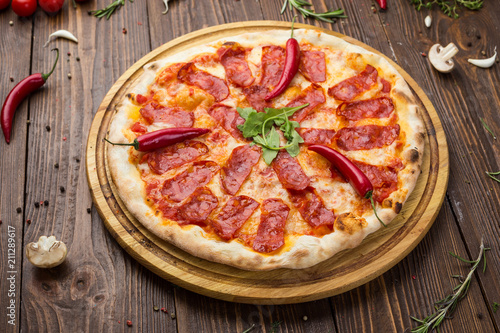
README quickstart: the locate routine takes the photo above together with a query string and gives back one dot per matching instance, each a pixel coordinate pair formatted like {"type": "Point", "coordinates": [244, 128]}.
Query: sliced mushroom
{"type": "Point", "coordinates": [47, 252]}
{"type": "Point", "coordinates": [441, 57]}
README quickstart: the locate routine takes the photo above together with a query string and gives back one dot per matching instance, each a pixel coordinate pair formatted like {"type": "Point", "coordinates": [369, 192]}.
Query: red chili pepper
{"type": "Point", "coordinates": [291, 67]}
{"type": "Point", "coordinates": [350, 171]}
{"type": "Point", "coordinates": [382, 4]}
{"type": "Point", "coordinates": [18, 94]}
{"type": "Point", "coordinates": [163, 138]}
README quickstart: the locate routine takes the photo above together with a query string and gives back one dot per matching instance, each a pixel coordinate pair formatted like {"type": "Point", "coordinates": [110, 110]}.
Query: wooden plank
{"type": "Point", "coordinates": [412, 287]}
{"type": "Point", "coordinates": [99, 287]}
{"type": "Point", "coordinates": [16, 61]}
{"type": "Point", "coordinates": [462, 98]}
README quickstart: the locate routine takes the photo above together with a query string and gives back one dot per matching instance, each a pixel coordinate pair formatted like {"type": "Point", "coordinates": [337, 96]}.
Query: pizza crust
{"type": "Point", "coordinates": [299, 251]}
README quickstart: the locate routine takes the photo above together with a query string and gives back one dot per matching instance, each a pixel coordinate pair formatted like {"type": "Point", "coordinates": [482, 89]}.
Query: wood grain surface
{"type": "Point", "coordinates": [100, 286]}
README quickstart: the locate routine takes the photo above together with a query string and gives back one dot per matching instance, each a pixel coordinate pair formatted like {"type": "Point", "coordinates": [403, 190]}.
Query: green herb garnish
{"type": "Point", "coordinates": [495, 307]}
{"type": "Point", "coordinates": [446, 7]}
{"type": "Point", "coordinates": [446, 306]}
{"type": "Point", "coordinates": [493, 174]}
{"type": "Point", "coordinates": [326, 16]}
{"type": "Point", "coordinates": [260, 127]}
{"type": "Point", "coordinates": [488, 128]}
{"type": "Point", "coordinates": [109, 10]}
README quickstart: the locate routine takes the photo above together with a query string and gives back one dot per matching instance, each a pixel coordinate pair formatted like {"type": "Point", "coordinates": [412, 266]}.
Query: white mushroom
{"type": "Point", "coordinates": [47, 252]}
{"type": "Point", "coordinates": [441, 58]}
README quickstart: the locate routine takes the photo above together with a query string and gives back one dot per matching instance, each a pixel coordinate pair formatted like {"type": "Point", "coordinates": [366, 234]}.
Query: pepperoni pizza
{"type": "Point", "coordinates": [215, 197]}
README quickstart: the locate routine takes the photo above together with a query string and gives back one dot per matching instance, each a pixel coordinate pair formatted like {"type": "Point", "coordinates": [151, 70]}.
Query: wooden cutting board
{"type": "Point", "coordinates": [346, 270]}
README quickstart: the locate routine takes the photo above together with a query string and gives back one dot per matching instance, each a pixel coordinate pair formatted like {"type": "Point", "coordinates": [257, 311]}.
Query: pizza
{"type": "Point", "coordinates": [220, 196]}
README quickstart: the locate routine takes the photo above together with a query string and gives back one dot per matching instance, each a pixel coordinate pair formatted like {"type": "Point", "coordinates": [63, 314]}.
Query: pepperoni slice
{"type": "Point", "coordinates": [169, 74]}
{"type": "Point", "coordinates": [366, 137]}
{"type": "Point", "coordinates": [162, 160]}
{"type": "Point", "coordinates": [348, 89]}
{"type": "Point", "coordinates": [256, 97]}
{"type": "Point", "coordinates": [312, 208]}
{"type": "Point", "coordinates": [233, 215]}
{"type": "Point", "coordinates": [228, 118]}
{"type": "Point", "coordinates": [272, 62]}
{"type": "Point", "coordinates": [384, 179]}
{"type": "Point", "coordinates": [313, 65]}
{"type": "Point", "coordinates": [317, 136]}
{"type": "Point", "coordinates": [198, 207]}
{"type": "Point", "coordinates": [216, 87]}
{"type": "Point", "coordinates": [178, 117]}
{"type": "Point", "coordinates": [182, 185]}
{"type": "Point", "coordinates": [289, 172]}
{"type": "Point", "coordinates": [238, 167]}
{"type": "Point", "coordinates": [381, 107]}
{"type": "Point", "coordinates": [314, 95]}
{"type": "Point", "coordinates": [232, 57]}
{"type": "Point", "coordinates": [138, 128]}
{"type": "Point", "coordinates": [386, 86]}
{"type": "Point", "coordinates": [271, 231]}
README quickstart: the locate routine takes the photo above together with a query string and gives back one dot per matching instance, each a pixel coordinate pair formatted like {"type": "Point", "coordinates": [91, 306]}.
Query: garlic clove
{"type": "Point", "coordinates": [428, 21]}
{"type": "Point", "coordinates": [484, 63]}
{"type": "Point", "coordinates": [47, 252]}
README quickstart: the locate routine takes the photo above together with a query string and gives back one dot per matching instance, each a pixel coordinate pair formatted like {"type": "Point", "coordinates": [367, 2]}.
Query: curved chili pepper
{"type": "Point", "coordinates": [382, 4]}
{"type": "Point", "coordinates": [350, 171]}
{"type": "Point", "coordinates": [292, 60]}
{"type": "Point", "coordinates": [18, 94]}
{"type": "Point", "coordinates": [163, 138]}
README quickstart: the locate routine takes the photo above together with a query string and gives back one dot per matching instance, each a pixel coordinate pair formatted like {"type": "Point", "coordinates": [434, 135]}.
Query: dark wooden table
{"type": "Point", "coordinates": [100, 286]}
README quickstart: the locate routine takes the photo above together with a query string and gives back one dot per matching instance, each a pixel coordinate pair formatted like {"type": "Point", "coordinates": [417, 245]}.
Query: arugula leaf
{"type": "Point", "coordinates": [260, 127]}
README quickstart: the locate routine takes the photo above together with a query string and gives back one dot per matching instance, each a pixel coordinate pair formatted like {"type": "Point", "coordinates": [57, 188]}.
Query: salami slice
{"type": "Point", "coordinates": [366, 137]}
{"type": "Point", "coordinates": [233, 215]}
{"type": "Point", "coordinates": [232, 57]}
{"type": "Point", "coordinates": [317, 136]}
{"type": "Point", "coordinates": [350, 88]}
{"type": "Point", "coordinates": [313, 66]}
{"type": "Point", "coordinates": [314, 95]}
{"type": "Point", "coordinates": [228, 118]}
{"type": "Point", "coordinates": [238, 167]}
{"type": "Point", "coordinates": [256, 97]}
{"type": "Point", "coordinates": [162, 160]}
{"type": "Point", "coordinates": [216, 87]}
{"type": "Point", "coordinates": [384, 179]}
{"type": "Point", "coordinates": [381, 107]}
{"type": "Point", "coordinates": [178, 117]}
{"type": "Point", "coordinates": [271, 231]}
{"type": "Point", "coordinates": [198, 207]}
{"type": "Point", "coordinates": [272, 62]}
{"type": "Point", "coordinates": [182, 185]}
{"type": "Point", "coordinates": [289, 172]}
{"type": "Point", "coordinates": [312, 208]}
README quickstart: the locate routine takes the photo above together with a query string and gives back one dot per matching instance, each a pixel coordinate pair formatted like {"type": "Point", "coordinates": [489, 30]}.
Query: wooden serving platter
{"type": "Point", "coordinates": [346, 270]}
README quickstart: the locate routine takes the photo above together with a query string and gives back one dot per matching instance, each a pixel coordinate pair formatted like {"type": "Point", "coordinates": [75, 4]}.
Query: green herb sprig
{"type": "Point", "coordinates": [488, 128]}
{"type": "Point", "coordinates": [448, 8]}
{"type": "Point", "coordinates": [300, 4]}
{"type": "Point", "coordinates": [446, 306]}
{"type": "Point", "coordinates": [493, 174]}
{"type": "Point", "coordinates": [495, 307]}
{"type": "Point", "coordinates": [109, 10]}
{"type": "Point", "coordinates": [260, 127]}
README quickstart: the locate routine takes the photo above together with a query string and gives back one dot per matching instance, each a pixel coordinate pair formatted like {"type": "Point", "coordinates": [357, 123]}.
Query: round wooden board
{"type": "Point", "coordinates": [346, 270]}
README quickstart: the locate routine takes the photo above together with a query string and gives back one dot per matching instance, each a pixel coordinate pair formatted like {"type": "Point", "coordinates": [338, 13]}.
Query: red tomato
{"type": "Point", "coordinates": [24, 7]}
{"type": "Point", "coordinates": [51, 6]}
{"type": "Point", "coordinates": [4, 4]}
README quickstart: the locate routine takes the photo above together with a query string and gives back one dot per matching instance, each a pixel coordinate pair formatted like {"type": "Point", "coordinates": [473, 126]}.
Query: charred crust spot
{"type": "Point", "coordinates": [129, 95]}
{"type": "Point", "coordinates": [397, 207]}
{"type": "Point", "coordinates": [349, 223]}
{"type": "Point", "coordinates": [420, 138]}
{"type": "Point", "coordinates": [387, 203]}
{"type": "Point", "coordinates": [152, 66]}
{"type": "Point", "coordinates": [229, 43]}
{"type": "Point", "coordinates": [414, 156]}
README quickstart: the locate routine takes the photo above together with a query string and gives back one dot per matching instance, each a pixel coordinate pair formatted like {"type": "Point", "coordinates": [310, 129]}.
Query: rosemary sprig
{"type": "Point", "coordinates": [300, 4]}
{"type": "Point", "coordinates": [446, 7]}
{"type": "Point", "coordinates": [493, 174]}
{"type": "Point", "coordinates": [109, 10]}
{"type": "Point", "coordinates": [446, 306]}
{"type": "Point", "coordinates": [488, 128]}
